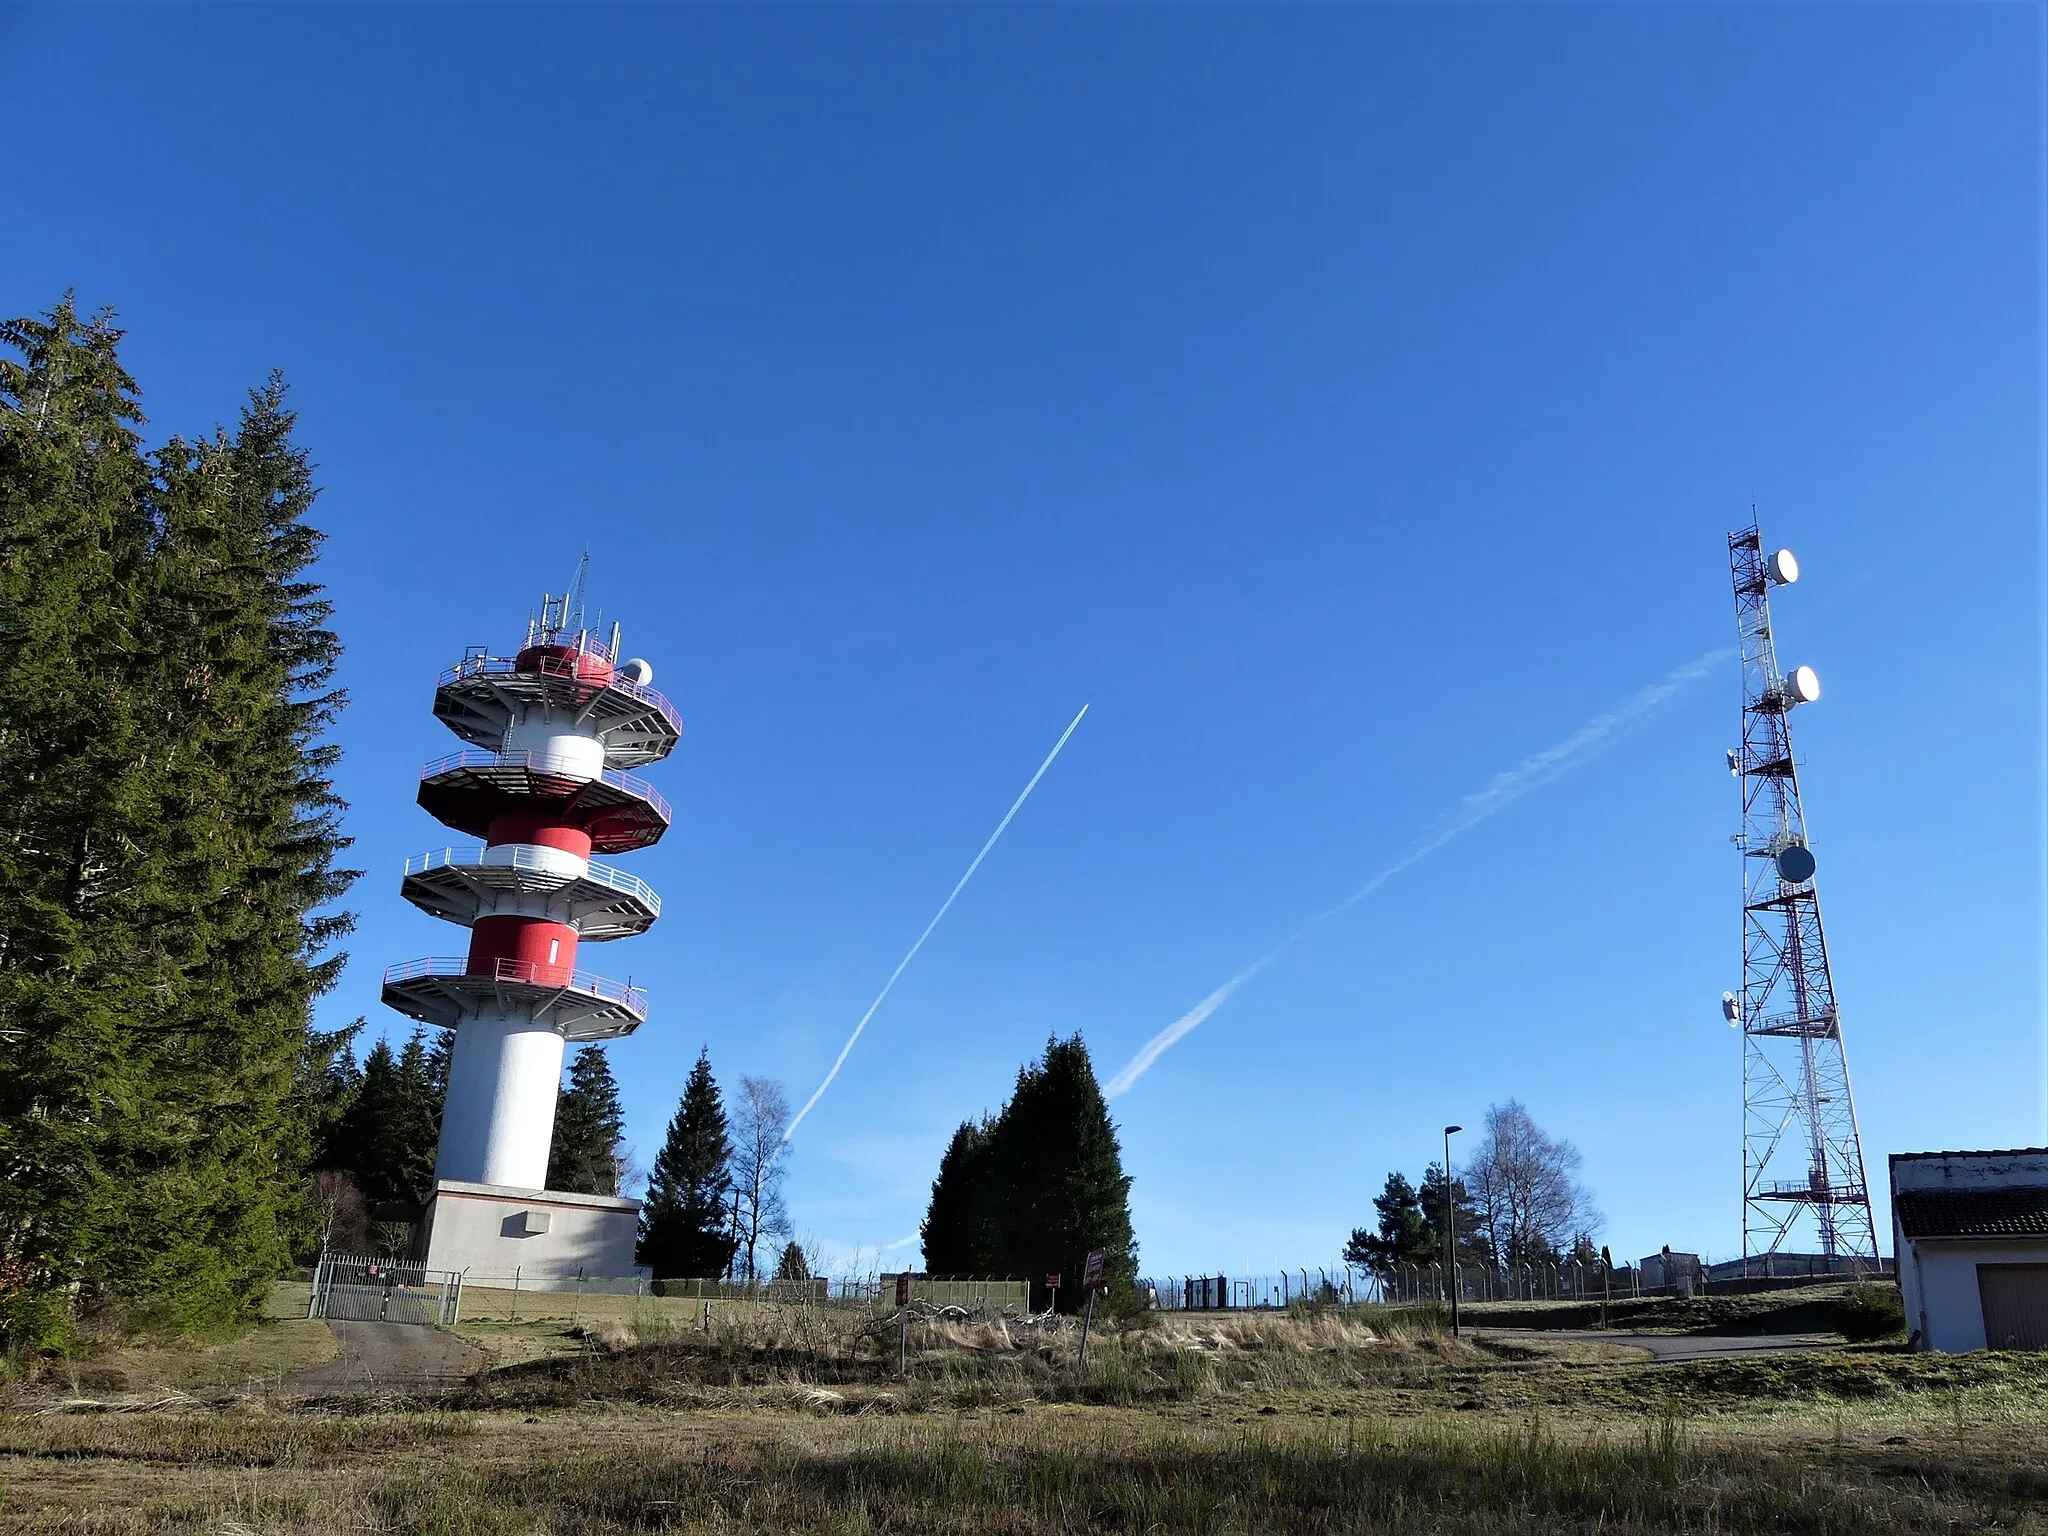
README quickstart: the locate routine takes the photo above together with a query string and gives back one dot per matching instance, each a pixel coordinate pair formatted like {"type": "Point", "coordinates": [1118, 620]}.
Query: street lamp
{"type": "Point", "coordinates": [1451, 1226]}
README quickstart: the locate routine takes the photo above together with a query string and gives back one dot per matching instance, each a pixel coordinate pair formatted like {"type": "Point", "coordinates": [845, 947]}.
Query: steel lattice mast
{"type": "Point", "coordinates": [1801, 1150]}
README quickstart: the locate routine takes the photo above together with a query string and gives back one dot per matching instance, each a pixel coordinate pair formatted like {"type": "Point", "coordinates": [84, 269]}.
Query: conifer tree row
{"type": "Point", "coordinates": [1029, 1191]}
{"type": "Point", "coordinates": [168, 843]}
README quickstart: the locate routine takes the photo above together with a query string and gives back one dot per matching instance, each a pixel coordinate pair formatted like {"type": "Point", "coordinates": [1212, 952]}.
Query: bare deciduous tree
{"type": "Point", "coordinates": [760, 1117]}
{"type": "Point", "coordinates": [1524, 1184]}
{"type": "Point", "coordinates": [343, 1215]}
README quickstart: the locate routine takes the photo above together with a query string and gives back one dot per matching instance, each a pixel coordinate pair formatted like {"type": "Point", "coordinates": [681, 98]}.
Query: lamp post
{"type": "Point", "coordinates": [1451, 1226]}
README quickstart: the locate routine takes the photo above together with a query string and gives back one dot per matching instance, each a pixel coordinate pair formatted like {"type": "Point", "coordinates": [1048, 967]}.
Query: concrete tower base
{"type": "Point", "coordinates": [492, 1232]}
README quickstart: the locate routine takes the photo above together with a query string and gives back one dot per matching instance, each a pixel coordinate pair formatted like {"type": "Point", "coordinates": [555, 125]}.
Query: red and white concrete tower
{"type": "Point", "coordinates": [553, 729]}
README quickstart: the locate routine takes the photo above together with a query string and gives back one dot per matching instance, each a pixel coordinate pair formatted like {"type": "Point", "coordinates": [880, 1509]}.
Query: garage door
{"type": "Point", "coordinates": [2015, 1305]}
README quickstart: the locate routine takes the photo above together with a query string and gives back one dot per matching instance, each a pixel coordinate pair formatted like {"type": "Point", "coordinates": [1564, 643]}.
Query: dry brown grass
{"type": "Point", "coordinates": [1327, 1424]}
{"type": "Point", "coordinates": [1044, 1471]}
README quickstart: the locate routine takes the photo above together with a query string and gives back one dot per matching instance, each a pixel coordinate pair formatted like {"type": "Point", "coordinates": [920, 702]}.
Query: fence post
{"type": "Point", "coordinates": [515, 1293]}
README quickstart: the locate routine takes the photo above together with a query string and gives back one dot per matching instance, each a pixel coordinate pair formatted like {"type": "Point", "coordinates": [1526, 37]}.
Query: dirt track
{"type": "Point", "coordinates": [388, 1357]}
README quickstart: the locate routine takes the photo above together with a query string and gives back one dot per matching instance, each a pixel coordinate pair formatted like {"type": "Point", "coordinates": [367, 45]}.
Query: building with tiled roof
{"type": "Point", "coordinates": [1971, 1233]}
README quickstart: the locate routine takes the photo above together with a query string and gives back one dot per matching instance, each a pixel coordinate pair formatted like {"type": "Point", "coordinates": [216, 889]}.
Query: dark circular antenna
{"type": "Point", "coordinates": [1795, 863]}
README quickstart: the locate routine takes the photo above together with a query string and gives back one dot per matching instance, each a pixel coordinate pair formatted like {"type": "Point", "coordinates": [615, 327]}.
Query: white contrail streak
{"type": "Point", "coordinates": [1500, 792]}
{"type": "Point", "coordinates": [946, 906]}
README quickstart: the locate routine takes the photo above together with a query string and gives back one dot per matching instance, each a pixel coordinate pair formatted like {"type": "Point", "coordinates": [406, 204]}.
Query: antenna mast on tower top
{"type": "Point", "coordinates": [1801, 1150]}
{"type": "Point", "coordinates": [572, 605]}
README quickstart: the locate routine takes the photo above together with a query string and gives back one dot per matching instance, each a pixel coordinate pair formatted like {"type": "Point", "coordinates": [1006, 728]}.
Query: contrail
{"type": "Point", "coordinates": [903, 964]}
{"type": "Point", "coordinates": [1500, 792]}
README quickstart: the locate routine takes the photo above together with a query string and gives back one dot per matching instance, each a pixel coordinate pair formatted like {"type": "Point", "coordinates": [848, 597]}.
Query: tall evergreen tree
{"type": "Point", "coordinates": [794, 1264]}
{"type": "Point", "coordinates": [386, 1139]}
{"type": "Point", "coordinates": [686, 1228]}
{"type": "Point", "coordinates": [74, 961]}
{"type": "Point", "coordinates": [166, 856]}
{"type": "Point", "coordinates": [583, 1158]}
{"type": "Point", "coordinates": [959, 1229]}
{"type": "Point", "coordinates": [1033, 1190]}
{"type": "Point", "coordinates": [1470, 1222]}
{"type": "Point", "coordinates": [1402, 1235]}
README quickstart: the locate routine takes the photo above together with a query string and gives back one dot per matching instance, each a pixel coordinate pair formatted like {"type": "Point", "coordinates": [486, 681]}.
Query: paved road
{"type": "Point", "coordinates": [1674, 1346]}
{"type": "Point", "coordinates": [388, 1357]}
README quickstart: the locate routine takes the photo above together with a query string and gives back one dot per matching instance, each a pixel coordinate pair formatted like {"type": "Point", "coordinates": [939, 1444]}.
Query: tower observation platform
{"type": "Point", "coordinates": [551, 731]}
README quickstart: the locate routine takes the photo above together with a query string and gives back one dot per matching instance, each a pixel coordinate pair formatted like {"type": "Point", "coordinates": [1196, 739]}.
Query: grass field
{"type": "Point", "coordinates": [775, 1422]}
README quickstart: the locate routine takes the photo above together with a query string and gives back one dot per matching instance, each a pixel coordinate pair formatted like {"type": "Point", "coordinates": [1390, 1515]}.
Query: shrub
{"type": "Point", "coordinates": [1873, 1310]}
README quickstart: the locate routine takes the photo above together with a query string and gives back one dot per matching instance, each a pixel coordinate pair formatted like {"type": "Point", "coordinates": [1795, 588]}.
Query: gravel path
{"type": "Point", "coordinates": [388, 1357]}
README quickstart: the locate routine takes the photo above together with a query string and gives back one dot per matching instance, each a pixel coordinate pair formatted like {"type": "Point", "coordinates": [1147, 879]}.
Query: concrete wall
{"type": "Point", "coordinates": [1939, 1284]}
{"type": "Point", "coordinates": [489, 1230]}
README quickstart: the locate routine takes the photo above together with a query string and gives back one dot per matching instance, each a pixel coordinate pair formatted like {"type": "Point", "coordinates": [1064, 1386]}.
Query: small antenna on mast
{"type": "Point", "coordinates": [572, 605]}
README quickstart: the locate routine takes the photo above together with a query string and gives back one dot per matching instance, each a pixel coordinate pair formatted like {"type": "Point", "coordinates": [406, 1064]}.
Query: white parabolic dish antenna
{"type": "Point", "coordinates": [1783, 569]}
{"type": "Point", "coordinates": [637, 672]}
{"type": "Point", "coordinates": [1803, 684]}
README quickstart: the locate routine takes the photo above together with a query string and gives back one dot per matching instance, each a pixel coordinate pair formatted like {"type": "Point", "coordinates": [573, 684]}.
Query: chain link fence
{"type": "Point", "coordinates": [1565, 1280]}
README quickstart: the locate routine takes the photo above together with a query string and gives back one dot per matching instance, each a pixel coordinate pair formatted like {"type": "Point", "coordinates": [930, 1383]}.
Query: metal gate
{"type": "Point", "coordinates": [2015, 1298]}
{"type": "Point", "coordinates": [354, 1289]}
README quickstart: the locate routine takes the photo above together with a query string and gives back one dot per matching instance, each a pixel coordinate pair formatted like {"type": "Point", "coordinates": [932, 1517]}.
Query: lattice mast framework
{"type": "Point", "coordinates": [1796, 1105]}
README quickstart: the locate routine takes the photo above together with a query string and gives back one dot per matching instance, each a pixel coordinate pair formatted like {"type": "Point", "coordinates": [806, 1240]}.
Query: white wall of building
{"type": "Point", "coordinates": [539, 1234]}
{"type": "Point", "coordinates": [1943, 1301]}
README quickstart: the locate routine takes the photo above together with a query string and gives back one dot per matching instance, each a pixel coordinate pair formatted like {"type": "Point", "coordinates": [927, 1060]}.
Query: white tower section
{"type": "Point", "coordinates": [544, 785]}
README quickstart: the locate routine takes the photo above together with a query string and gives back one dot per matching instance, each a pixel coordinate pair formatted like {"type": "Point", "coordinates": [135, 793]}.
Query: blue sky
{"type": "Point", "coordinates": [1346, 403]}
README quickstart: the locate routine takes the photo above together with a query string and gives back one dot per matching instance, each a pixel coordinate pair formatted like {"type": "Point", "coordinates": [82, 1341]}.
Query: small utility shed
{"type": "Point", "coordinates": [1971, 1235]}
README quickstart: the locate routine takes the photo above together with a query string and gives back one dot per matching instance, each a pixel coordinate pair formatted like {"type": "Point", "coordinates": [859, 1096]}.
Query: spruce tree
{"type": "Point", "coordinates": [388, 1135]}
{"type": "Point", "coordinates": [167, 838]}
{"type": "Point", "coordinates": [1033, 1190]}
{"type": "Point", "coordinates": [686, 1229]}
{"type": "Point", "coordinates": [959, 1230]}
{"type": "Point", "coordinates": [589, 1123]}
{"type": "Point", "coordinates": [75, 961]}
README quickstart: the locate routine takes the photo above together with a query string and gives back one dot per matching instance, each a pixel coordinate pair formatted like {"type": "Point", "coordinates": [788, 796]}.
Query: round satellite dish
{"type": "Point", "coordinates": [1803, 684]}
{"type": "Point", "coordinates": [637, 672]}
{"type": "Point", "coordinates": [1731, 1007]}
{"type": "Point", "coordinates": [1795, 864]}
{"type": "Point", "coordinates": [1783, 569]}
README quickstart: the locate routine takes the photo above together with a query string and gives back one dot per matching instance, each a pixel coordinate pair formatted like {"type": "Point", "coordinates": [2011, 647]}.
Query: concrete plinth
{"type": "Point", "coordinates": [491, 1232]}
